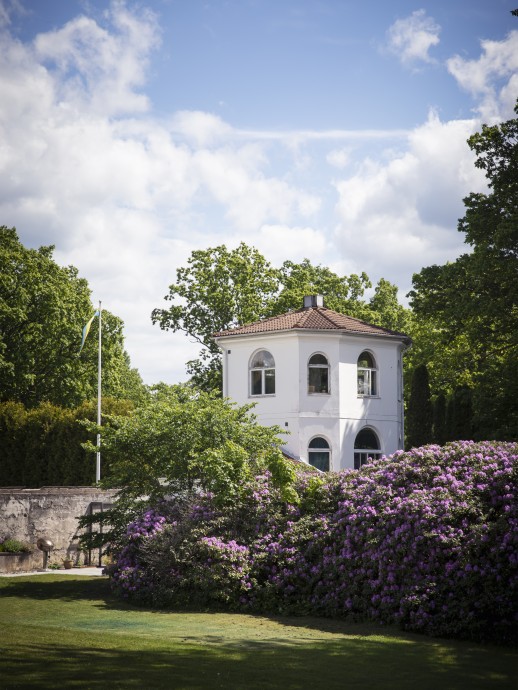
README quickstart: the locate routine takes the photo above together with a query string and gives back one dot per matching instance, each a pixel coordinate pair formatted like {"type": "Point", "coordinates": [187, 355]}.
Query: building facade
{"type": "Point", "coordinates": [332, 382]}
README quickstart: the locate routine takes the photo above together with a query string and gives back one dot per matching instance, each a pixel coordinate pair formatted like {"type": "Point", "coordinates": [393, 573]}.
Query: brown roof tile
{"type": "Point", "coordinates": [313, 319]}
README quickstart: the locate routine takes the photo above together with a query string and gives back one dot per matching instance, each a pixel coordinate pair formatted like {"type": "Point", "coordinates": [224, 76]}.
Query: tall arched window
{"type": "Point", "coordinates": [262, 374]}
{"type": "Point", "coordinates": [366, 445]}
{"type": "Point", "coordinates": [367, 375]}
{"type": "Point", "coordinates": [319, 454]}
{"type": "Point", "coordinates": [318, 374]}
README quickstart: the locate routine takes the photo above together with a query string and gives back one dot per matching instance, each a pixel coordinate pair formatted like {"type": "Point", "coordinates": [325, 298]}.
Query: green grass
{"type": "Point", "coordinates": [69, 632]}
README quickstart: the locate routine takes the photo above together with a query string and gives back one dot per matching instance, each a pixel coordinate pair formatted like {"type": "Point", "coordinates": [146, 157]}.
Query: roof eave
{"type": "Point", "coordinates": [338, 331]}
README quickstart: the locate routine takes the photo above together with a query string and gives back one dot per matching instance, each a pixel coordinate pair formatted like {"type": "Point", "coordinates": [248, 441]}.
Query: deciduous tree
{"type": "Point", "coordinates": [221, 288]}
{"type": "Point", "coordinates": [43, 308]}
{"type": "Point", "coordinates": [470, 307]}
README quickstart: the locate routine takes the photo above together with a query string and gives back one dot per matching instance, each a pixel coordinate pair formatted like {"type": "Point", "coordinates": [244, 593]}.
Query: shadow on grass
{"type": "Point", "coordinates": [222, 656]}
{"type": "Point", "coordinates": [65, 587]}
{"type": "Point", "coordinates": [351, 664]}
{"type": "Point", "coordinates": [80, 588]}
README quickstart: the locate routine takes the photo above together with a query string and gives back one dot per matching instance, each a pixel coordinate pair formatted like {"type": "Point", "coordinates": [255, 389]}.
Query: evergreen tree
{"type": "Point", "coordinates": [439, 420]}
{"type": "Point", "coordinates": [419, 416]}
{"type": "Point", "coordinates": [460, 415]}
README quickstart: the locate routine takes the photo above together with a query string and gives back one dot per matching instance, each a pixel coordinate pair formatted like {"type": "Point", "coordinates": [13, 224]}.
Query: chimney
{"type": "Point", "coordinates": [313, 301]}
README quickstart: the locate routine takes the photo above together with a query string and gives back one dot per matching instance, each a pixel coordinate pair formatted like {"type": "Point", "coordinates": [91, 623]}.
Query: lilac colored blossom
{"type": "Point", "coordinates": [427, 539]}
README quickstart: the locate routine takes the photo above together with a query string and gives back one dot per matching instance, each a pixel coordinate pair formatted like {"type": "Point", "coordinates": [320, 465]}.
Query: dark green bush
{"type": "Point", "coordinates": [14, 546]}
{"type": "Point", "coordinates": [43, 445]}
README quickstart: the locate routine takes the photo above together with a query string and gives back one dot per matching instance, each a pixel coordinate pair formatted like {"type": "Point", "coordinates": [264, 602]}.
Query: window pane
{"type": "Point", "coordinates": [366, 440]}
{"type": "Point", "coordinates": [318, 443]}
{"type": "Point", "coordinates": [269, 381]}
{"type": "Point", "coordinates": [373, 383]}
{"type": "Point", "coordinates": [362, 382]}
{"type": "Point", "coordinates": [318, 359]}
{"type": "Point", "coordinates": [365, 360]}
{"type": "Point", "coordinates": [318, 380]}
{"type": "Point", "coordinates": [256, 382]}
{"type": "Point", "coordinates": [263, 359]}
{"type": "Point", "coordinates": [320, 460]}
{"type": "Point", "coordinates": [360, 459]}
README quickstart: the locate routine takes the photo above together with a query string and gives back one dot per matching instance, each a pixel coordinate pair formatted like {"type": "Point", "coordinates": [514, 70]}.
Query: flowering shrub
{"type": "Point", "coordinates": [427, 539]}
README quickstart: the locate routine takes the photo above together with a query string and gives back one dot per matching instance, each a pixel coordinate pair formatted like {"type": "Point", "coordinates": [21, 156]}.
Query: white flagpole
{"type": "Point", "coordinates": [98, 454]}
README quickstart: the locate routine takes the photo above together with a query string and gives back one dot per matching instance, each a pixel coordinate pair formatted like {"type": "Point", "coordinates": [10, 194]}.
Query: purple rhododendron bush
{"type": "Point", "coordinates": [427, 539]}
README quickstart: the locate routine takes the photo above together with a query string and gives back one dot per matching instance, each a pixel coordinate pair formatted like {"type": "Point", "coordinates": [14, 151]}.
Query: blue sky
{"type": "Point", "coordinates": [132, 133]}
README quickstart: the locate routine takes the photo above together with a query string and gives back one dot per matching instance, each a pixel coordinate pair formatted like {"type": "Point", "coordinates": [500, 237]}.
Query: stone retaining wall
{"type": "Point", "coordinates": [50, 512]}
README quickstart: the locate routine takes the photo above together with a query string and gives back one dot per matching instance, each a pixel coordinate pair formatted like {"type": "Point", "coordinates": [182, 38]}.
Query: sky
{"type": "Point", "coordinates": [132, 133]}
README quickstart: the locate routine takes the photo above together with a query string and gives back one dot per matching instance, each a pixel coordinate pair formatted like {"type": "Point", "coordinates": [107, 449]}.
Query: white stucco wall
{"type": "Point", "coordinates": [337, 416]}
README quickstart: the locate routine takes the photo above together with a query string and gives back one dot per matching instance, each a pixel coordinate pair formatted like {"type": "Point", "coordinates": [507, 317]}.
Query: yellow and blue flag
{"type": "Point", "coordinates": [86, 329]}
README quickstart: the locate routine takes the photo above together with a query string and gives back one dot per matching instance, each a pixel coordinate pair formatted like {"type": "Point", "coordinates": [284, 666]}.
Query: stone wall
{"type": "Point", "coordinates": [50, 512]}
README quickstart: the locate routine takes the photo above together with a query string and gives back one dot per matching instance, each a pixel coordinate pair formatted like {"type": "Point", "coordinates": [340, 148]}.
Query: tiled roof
{"type": "Point", "coordinates": [311, 319]}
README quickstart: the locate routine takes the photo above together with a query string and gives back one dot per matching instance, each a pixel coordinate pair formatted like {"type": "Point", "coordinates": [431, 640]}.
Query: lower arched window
{"type": "Point", "coordinates": [319, 454]}
{"type": "Point", "coordinates": [366, 445]}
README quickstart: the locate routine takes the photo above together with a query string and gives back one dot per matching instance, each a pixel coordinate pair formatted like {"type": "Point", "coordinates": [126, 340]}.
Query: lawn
{"type": "Point", "coordinates": [69, 632]}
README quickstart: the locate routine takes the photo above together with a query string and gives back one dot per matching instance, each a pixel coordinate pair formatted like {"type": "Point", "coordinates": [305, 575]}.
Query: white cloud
{"type": "Point", "coordinates": [280, 242]}
{"type": "Point", "coordinates": [411, 38]}
{"type": "Point", "coordinates": [200, 129]}
{"type": "Point", "coordinates": [397, 216]}
{"type": "Point", "coordinates": [126, 198]}
{"type": "Point", "coordinates": [339, 158]}
{"type": "Point", "coordinates": [492, 78]}
{"type": "Point", "coordinates": [9, 8]}
{"type": "Point", "coordinates": [99, 70]}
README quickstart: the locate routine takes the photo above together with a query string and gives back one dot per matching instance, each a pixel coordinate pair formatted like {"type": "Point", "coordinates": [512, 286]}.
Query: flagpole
{"type": "Point", "coordinates": [98, 454]}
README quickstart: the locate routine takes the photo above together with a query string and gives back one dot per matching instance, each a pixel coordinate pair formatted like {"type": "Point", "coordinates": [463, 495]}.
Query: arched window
{"type": "Point", "coordinates": [319, 454]}
{"type": "Point", "coordinates": [262, 374]}
{"type": "Point", "coordinates": [318, 374]}
{"type": "Point", "coordinates": [367, 375]}
{"type": "Point", "coordinates": [366, 445]}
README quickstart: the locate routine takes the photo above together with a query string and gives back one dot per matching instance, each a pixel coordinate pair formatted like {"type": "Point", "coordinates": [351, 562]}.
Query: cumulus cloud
{"type": "Point", "coordinates": [99, 68]}
{"type": "Point", "coordinates": [339, 158]}
{"type": "Point", "coordinates": [396, 216]}
{"type": "Point", "coordinates": [280, 242]}
{"type": "Point", "coordinates": [492, 78]}
{"type": "Point", "coordinates": [126, 197]}
{"type": "Point", "coordinates": [412, 37]}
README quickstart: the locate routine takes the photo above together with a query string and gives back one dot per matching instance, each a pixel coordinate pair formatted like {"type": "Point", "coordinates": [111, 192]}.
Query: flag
{"type": "Point", "coordinates": [86, 329]}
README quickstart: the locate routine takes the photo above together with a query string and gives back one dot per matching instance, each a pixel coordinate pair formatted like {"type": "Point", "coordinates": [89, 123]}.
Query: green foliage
{"type": "Point", "coordinates": [43, 445]}
{"type": "Point", "coordinates": [468, 310]}
{"type": "Point", "coordinates": [220, 289]}
{"type": "Point", "coordinates": [181, 441]}
{"type": "Point", "coordinates": [459, 414]}
{"type": "Point", "coordinates": [184, 439]}
{"type": "Point", "coordinates": [14, 546]}
{"type": "Point", "coordinates": [425, 538]}
{"type": "Point", "coordinates": [439, 420]}
{"type": "Point", "coordinates": [419, 417]}
{"type": "Point", "coordinates": [43, 308]}
{"type": "Point", "coordinates": [343, 294]}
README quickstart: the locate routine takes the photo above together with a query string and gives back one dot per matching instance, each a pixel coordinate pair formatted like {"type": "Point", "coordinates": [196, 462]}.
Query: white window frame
{"type": "Point", "coordinates": [326, 450]}
{"type": "Point", "coordinates": [319, 366]}
{"type": "Point", "coordinates": [370, 377]}
{"type": "Point", "coordinates": [362, 455]}
{"type": "Point", "coordinates": [264, 373]}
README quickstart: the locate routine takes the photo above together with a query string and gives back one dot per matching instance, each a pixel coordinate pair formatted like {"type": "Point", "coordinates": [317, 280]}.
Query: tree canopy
{"type": "Point", "coordinates": [183, 439]}
{"type": "Point", "coordinates": [220, 288]}
{"type": "Point", "coordinates": [43, 308]}
{"type": "Point", "coordinates": [468, 309]}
